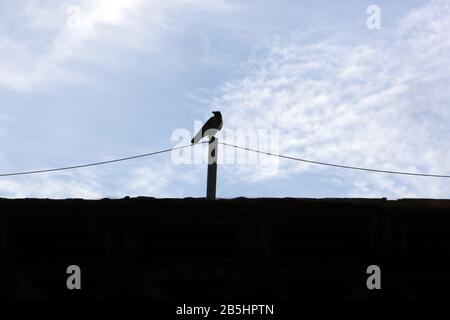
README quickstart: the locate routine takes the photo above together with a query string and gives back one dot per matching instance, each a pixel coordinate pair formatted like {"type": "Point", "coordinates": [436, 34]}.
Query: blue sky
{"type": "Point", "coordinates": [86, 81]}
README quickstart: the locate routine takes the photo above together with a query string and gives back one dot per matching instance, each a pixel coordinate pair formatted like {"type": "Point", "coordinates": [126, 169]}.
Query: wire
{"type": "Point", "coordinates": [94, 163]}
{"type": "Point", "coordinates": [339, 165]}
{"type": "Point", "coordinates": [230, 145]}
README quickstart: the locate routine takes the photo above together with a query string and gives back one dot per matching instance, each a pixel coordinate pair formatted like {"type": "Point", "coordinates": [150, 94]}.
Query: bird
{"type": "Point", "coordinates": [210, 128]}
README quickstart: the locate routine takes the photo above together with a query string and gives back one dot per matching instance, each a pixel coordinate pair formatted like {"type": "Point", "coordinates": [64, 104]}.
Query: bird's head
{"type": "Point", "coordinates": [217, 114]}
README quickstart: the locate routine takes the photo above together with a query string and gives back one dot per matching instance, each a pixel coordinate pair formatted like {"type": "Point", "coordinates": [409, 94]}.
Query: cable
{"type": "Point", "coordinates": [230, 145]}
{"type": "Point", "coordinates": [339, 165]}
{"type": "Point", "coordinates": [93, 164]}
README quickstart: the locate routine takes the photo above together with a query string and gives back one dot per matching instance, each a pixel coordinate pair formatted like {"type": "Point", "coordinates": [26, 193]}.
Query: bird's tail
{"type": "Point", "coordinates": [197, 137]}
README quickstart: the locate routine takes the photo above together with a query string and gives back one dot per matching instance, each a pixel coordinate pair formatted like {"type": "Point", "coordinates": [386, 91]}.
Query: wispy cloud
{"type": "Point", "coordinates": [58, 35]}
{"type": "Point", "coordinates": [46, 43]}
{"type": "Point", "coordinates": [154, 180]}
{"type": "Point", "coordinates": [67, 185]}
{"type": "Point", "coordinates": [377, 103]}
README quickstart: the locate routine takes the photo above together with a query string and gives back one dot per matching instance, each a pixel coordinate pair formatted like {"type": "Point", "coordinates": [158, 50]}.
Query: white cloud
{"type": "Point", "coordinates": [155, 180]}
{"type": "Point", "coordinates": [381, 104]}
{"type": "Point", "coordinates": [66, 185]}
{"type": "Point", "coordinates": [149, 181]}
{"type": "Point", "coordinates": [55, 36]}
{"type": "Point", "coordinates": [161, 181]}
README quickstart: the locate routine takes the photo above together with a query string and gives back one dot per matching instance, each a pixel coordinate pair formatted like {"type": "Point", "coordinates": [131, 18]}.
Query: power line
{"type": "Point", "coordinates": [339, 165]}
{"type": "Point", "coordinates": [230, 145]}
{"type": "Point", "coordinates": [94, 163]}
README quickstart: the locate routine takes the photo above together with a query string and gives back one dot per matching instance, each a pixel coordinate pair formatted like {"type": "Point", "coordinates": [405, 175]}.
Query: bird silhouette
{"type": "Point", "coordinates": [210, 128]}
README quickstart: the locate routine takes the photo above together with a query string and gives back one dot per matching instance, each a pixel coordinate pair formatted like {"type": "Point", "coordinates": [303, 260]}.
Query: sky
{"type": "Point", "coordinates": [87, 81]}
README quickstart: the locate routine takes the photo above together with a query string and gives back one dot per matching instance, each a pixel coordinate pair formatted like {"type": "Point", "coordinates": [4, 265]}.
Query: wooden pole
{"type": "Point", "coordinates": [212, 169]}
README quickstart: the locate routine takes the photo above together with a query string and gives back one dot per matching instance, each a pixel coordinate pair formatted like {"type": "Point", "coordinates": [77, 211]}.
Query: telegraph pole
{"type": "Point", "coordinates": [212, 168]}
